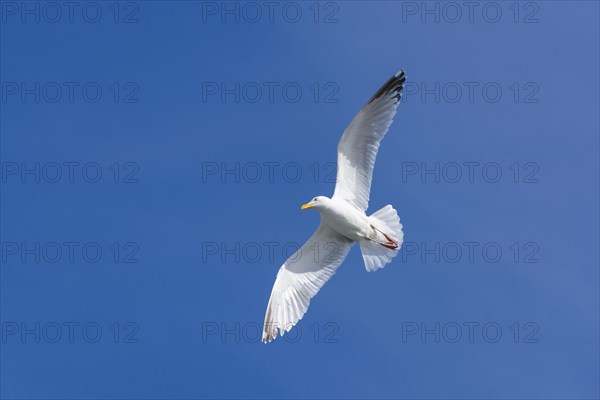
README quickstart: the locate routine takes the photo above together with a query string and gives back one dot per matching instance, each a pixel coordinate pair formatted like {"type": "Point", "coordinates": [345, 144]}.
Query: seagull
{"type": "Point", "coordinates": [343, 217]}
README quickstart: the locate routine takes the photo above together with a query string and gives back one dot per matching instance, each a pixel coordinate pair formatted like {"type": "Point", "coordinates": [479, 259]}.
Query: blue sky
{"type": "Point", "coordinates": [169, 147]}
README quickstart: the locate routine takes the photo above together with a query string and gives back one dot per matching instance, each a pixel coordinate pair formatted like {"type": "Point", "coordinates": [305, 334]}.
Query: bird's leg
{"type": "Point", "coordinates": [390, 244]}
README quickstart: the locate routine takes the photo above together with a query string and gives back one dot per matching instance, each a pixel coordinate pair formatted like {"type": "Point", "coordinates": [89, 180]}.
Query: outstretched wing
{"type": "Point", "coordinates": [358, 146]}
{"type": "Point", "coordinates": [301, 277]}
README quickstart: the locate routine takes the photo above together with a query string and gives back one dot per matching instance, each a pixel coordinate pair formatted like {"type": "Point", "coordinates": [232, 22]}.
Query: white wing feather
{"type": "Point", "coordinates": [301, 277]}
{"type": "Point", "coordinates": [359, 144]}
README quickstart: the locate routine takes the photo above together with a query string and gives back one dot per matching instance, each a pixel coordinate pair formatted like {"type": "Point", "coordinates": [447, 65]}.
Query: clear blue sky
{"type": "Point", "coordinates": [188, 93]}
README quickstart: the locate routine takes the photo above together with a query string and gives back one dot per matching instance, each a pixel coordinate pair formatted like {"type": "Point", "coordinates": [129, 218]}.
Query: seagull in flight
{"type": "Point", "coordinates": [343, 217]}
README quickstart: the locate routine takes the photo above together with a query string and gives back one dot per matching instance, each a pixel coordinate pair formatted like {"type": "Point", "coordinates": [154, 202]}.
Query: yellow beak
{"type": "Point", "coordinates": [306, 206]}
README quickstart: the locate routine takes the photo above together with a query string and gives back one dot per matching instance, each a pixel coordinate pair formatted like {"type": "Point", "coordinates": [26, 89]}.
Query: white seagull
{"type": "Point", "coordinates": [343, 217]}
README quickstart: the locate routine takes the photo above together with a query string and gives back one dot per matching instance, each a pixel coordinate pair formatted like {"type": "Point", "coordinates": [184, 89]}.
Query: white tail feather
{"type": "Point", "coordinates": [375, 255]}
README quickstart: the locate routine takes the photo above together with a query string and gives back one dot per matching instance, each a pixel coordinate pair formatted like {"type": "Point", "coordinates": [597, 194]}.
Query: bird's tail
{"type": "Point", "coordinates": [386, 240]}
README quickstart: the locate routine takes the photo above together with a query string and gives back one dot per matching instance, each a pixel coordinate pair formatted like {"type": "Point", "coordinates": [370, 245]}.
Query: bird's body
{"type": "Point", "coordinates": [343, 217]}
{"type": "Point", "coordinates": [350, 222]}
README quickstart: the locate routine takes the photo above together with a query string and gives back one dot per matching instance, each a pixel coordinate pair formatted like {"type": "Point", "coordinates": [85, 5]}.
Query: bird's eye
{"type": "Point", "coordinates": [315, 199]}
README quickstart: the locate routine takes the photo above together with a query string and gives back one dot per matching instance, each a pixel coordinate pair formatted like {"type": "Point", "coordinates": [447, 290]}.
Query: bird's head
{"type": "Point", "coordinates": [317, 203]}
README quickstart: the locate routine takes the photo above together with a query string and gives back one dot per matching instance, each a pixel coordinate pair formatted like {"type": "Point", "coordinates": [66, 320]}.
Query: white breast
{"type": "Point", "coordinates": [346, 220]}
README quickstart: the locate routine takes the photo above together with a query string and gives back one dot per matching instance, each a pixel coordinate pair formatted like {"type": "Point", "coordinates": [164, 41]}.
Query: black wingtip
{"type": "Point", "coordinates": [394, 86]}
